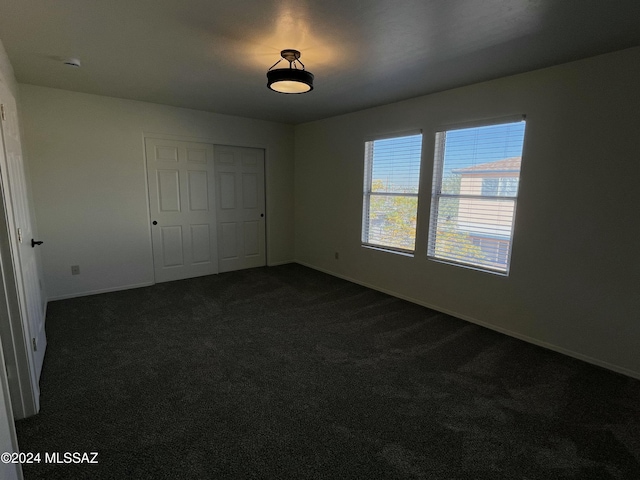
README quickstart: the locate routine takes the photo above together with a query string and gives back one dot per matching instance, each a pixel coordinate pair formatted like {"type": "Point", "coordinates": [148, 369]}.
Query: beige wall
{"type": "Point", "coordinates": [575, 268]}
{"type": "Point", "coordinates": [86, 157]}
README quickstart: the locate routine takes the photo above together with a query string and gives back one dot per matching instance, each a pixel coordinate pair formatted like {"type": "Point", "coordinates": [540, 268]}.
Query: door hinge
{"type": "Point", "coordinates": [2, 109]}
{"type": "Point", "coordinates": [35, 346]}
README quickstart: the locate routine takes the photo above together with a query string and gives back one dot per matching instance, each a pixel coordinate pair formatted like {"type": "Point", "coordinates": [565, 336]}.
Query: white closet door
{"type": "Point", "coordinates": [240, 207]}
{"type": "Point", "coordinates": [183, 215]}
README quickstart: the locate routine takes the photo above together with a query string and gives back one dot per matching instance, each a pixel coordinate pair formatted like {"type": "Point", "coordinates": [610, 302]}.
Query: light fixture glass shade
{"type": "Point", "coordinates": [290, 80]}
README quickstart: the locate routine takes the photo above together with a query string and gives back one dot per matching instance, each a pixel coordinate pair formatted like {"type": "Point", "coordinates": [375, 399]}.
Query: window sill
{"type": "Point", "coordinates": [469, 267]}
{"type": "Point", "coordinates": [404, 253]}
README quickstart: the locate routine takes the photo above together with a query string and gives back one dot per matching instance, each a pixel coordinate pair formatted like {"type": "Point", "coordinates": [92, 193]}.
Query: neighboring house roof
{"type": "Point", "coordinates": [511, 164]}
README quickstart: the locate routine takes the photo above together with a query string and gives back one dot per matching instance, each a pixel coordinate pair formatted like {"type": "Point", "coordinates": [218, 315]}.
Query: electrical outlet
{"type": "Point", "coordinates": [75, 269]}
{"type": "Point", "coordinates": [336, 255]}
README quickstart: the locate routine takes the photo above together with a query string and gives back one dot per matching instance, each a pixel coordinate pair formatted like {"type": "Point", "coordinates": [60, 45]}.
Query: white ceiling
{"type": "Point", "coordinates": [213, 54]}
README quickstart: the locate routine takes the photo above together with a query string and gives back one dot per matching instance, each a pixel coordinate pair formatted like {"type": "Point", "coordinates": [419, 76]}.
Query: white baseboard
{"type": "Point", "coordinates": [97, 292]}
{"type": "Point", "coordinates": [525, 338]}
{"type": "Point", "coordinates": [275, 264]}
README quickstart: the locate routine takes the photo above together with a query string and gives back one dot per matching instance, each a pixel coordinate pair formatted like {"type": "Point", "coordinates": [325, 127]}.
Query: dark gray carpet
{"type": "Point", "coordinates": [286, 372]}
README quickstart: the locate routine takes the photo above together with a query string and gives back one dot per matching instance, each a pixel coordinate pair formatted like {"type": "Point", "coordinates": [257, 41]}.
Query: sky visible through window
{"type": "Point", "coordinates": [468, 147]}
{"type": "Point", "coordinates": [396, 163]}
{"type": "Point", "coordinates": [397, 160]}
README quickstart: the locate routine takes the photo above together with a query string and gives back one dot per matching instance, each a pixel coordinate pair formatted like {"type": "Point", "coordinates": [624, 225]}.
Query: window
{"type": "Point", "coordinates": [502, 187]}
{"type": "Point", "coordinates": [490, 186]}
{"type": "Point", "coordinates": [475, 190]}
{"type": "Point", "coordinates": [390, 203]}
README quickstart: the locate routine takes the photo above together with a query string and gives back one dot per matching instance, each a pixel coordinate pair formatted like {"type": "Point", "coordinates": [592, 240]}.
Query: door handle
{"type": "Point", "coordinates": [34, 243]}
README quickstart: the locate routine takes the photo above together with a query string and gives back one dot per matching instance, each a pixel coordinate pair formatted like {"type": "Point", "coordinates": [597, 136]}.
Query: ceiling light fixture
{"type": "Point", "coordinates": [292, 79]}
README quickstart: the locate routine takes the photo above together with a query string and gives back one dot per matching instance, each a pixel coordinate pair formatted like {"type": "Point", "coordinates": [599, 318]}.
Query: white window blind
{"type": "Point", "coordinates": [475, 190]}
{"type": "Point", "coordinates": [391, 182]}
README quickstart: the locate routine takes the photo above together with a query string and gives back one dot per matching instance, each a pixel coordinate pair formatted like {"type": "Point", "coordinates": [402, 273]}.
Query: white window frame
{"type": "Point", "coordinates": [368, 193]}
{"type": "Point", "coordinates": [436, 195]}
